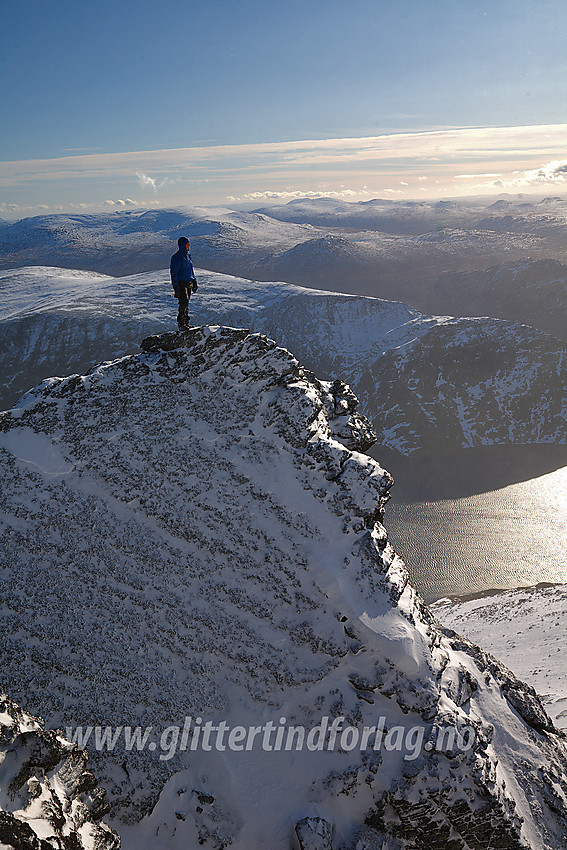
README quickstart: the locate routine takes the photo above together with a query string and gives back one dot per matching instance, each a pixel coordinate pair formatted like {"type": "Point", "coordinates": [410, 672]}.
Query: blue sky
{"type": "Point", "coordinates": [90, 91]}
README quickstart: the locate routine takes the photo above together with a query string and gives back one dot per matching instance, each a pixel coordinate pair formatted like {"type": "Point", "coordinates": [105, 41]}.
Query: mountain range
{"type": "Point", "coordinates": [192, 538]}
{"type": "Point", "coordinates": [427, 254]}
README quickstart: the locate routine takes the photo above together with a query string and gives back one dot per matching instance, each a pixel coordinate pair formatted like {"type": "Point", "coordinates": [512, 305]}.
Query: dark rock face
{"type": "Point", "coordinates": [519, 694]}
{"type": "Point", "coordinates": [44, 784]}
{"type": "Point", "coordinates": [428, 383]}
{"type": "Point", "coordinates": [195, 532]}
{"type": "Point", "coordinates": [18, 835]}
{"type": "Point", "coordinates": [434, 825]}
{"type": "Point", "coordinates": [314, 834]}
{"type": "Point", "coordinates": [471, 382]}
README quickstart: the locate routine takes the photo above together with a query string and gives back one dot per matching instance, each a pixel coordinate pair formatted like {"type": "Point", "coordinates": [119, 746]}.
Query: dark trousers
{"type": "Point", "coordinates": [183, 294]}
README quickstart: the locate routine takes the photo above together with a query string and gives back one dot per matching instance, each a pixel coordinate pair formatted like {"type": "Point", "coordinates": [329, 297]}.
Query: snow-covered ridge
{"type": "Point", "coordinates": [500, 622]}
{"type": "Point", "coordinates": [428, 380]}
{"type": "Point", "coordinates": [48, 799]}
{"type": "Point", "coordinates": [196, 533]}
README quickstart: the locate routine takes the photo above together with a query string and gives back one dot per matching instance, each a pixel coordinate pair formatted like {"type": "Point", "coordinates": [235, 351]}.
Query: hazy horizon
{"type": "Point", "coordinates": [115, 105]}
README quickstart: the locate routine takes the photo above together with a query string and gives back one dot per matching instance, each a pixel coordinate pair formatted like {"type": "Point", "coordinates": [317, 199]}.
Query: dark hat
{"type": "Point", "coordinates": [182, 241]}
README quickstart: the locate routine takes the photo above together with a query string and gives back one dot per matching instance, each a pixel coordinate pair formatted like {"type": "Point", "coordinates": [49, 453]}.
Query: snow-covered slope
{"type": "Point", "coordinates": [319, 259]}
{"type": "Point", "coordinates": [47, 797]}
{"type": "Point", "coordinates": [193, 533]}
{"type": "Point", "coordinates": [390, 249]}
{"type": "Point", "coordinates": [426, 379]}
{"type": "Point", "coordinates": [138, 240]}
{"type": "Point", "coordinates": [506, 622]}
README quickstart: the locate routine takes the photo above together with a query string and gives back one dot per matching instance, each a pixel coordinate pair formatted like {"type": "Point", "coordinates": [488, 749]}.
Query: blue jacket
{"type": "Point", "coordinates": [181, 267]}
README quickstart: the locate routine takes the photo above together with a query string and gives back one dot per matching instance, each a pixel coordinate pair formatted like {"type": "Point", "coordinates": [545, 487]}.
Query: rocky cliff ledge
{"type": "Point", "coordinates": [192, 541]}
{"type": "Point", "coordinates": [48, 799]}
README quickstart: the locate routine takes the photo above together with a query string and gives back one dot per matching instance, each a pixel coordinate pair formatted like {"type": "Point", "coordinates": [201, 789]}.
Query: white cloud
{"type": "Point", "coordinates": [474, 176]}
{"type": "Point", "coordinates": [17, 208]}
{"type": "Point", "coordinates": [445, 147]}
{"type": "Point", "coordinates": [288, 170]}
{"type": "Point", "coordinates": [119, 203]}
{"type": "Point", "coordinates": [31, 209]}
{"type": "Point", "coordinates": [552, 172]}
{"type": "Point", "coordinates": [297, 193]}
{"type": "Point", "coordinates": [145, 180]}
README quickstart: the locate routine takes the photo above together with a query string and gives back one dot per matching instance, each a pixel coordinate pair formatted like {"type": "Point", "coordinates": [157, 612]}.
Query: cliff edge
{"type": "Point", "coordinates": [193, 547]}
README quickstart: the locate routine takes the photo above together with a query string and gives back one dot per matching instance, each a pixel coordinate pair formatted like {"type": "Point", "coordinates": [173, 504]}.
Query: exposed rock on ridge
{"type": "Point", "coordinates": [195, 533]}
{"type": "Point", "coordinates": [48, 799]}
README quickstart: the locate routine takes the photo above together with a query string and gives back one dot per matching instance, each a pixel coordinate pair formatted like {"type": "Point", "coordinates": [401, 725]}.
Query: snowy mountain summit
{"type": "Point", "coordinates": [200, 590]}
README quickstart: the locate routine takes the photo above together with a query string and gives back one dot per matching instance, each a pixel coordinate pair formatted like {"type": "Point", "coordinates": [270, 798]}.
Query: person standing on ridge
{"type": "Point", "coordinates": [183, 280]}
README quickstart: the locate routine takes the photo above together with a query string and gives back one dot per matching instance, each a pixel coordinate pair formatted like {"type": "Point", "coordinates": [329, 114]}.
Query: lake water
{"type": "Point", "coordinates": [513, 534]}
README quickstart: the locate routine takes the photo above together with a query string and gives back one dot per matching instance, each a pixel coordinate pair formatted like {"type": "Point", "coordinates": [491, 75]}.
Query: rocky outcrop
{"type": "Point", "coordinates": [199, 543]}
{"type": "Point", "coordinates": [48, 799]}
{"type": "Point", "coordinates": [314, 834]}
{"type": "Point", "coordinates": [499, 622]}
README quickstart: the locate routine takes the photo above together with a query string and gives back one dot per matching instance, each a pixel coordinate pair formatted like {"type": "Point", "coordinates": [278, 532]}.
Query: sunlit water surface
{"type": "Point", "coordinates": [510, 537]}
